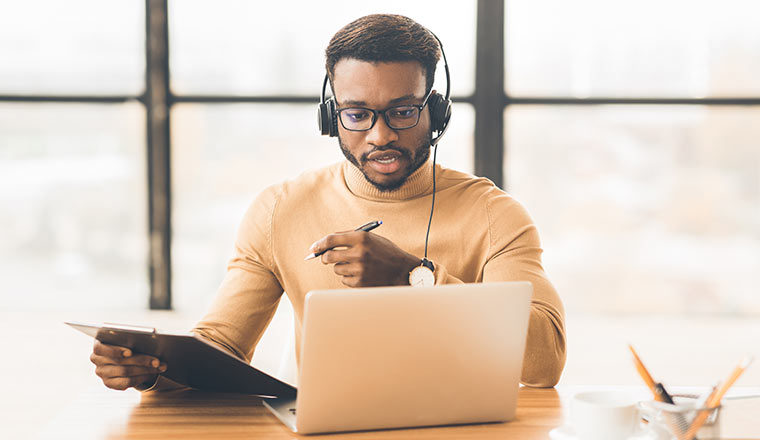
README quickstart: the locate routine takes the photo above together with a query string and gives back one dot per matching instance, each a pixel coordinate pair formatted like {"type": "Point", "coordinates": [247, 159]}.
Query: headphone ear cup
{"type": "Point", "coordinates": [322, 122]}
{"type": "Point", "coordinates": [440, 112]}
{"type": "Point", "coordinates": [327, 118]}
{"type": "Point", "coordinates": [333, 117]}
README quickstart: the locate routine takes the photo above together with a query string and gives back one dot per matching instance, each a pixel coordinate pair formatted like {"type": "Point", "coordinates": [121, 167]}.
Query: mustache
{"type": "Point", "coordinates": [405, 154]}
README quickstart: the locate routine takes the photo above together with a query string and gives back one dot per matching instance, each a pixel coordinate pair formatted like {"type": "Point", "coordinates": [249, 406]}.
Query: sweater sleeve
{"type": "Point", "coordinates": [442, 276]}
{"type": "Point", "coordinates": [248, 296]}
{"type": "Point", "coordinates": [515, 255]}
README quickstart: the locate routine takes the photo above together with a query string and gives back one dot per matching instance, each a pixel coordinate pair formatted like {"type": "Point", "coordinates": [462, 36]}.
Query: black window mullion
{"type": "Point", "coordinates": [157, 105]}
{"type": "Point", "coordinates": [489, 99]}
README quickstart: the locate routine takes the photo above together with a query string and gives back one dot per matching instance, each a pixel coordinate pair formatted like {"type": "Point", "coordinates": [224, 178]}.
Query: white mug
{"type": "Point", "coordinates": [604, 415]}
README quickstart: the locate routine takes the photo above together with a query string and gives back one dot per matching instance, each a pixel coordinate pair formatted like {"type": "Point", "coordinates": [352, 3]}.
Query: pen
{"type": "Point", "coordinates": [366, 228]}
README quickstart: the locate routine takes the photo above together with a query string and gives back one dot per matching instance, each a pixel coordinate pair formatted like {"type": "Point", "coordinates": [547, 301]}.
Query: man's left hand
{"type": "Point", "coordinates": [364, 259]}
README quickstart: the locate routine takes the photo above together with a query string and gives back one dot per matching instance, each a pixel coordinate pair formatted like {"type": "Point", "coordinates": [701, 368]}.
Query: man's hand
{"type": "Point", "coordinates": [120, 369]}
{"type": "Point", "coordinates": [363, 259]}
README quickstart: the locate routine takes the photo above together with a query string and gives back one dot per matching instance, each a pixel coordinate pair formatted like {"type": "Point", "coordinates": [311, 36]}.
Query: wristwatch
{"type": "Point", "coordinates": [422, 275]}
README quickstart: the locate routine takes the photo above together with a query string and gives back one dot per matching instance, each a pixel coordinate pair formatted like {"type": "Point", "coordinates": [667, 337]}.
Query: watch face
{"type": "Point", "coordinates": [421, 276]}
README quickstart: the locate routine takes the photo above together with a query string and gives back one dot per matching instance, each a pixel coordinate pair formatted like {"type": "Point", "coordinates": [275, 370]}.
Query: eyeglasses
{"type": "Point", "coordinates": [399, 117]}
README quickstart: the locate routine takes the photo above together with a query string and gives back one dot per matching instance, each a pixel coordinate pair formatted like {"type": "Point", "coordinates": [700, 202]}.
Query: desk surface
{"type": "Point", "coordinates": [186, 415]}
{"type": "Point", "coordinates": [191, 414]}
{"type": "Point", "coordinates": [58, 394]}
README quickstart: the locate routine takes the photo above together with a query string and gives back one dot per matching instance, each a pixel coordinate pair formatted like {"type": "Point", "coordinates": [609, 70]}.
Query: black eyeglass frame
{"type": "Point", "coordinates": [385, 115]}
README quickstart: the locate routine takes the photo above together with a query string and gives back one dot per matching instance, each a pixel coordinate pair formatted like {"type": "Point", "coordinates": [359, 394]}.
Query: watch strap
{"type": "Point", "coordinates": [429, 264]}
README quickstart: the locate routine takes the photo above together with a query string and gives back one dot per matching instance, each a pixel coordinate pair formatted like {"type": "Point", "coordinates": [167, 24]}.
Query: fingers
{"type": "Point", "coordinates": [120, 368]}
{"type": "Point", "coordinates": [103, 354]}
{"type": "Point", "coordinates": [122, 383]}
{"type": "Point", "coordinates": [339, 239]}
{"type": "Point", "coordinates": [340, 256]}
{"type": "Point", "coordinates": [111, 351]}
{"type": "Point", "coordinates": [138, 360]}
{"type": "Point", "coordinates": [114, 371]}
{"type": "Point", "coordinates": [350, 281]}
{"type": "Point", "coordinates": [350, 274]}
{"type": "Point", "coordinates": [346, 269]}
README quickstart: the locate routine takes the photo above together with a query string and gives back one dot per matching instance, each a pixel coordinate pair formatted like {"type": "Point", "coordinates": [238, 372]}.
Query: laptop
{"type": "Point", "coordinates": [395, 357]}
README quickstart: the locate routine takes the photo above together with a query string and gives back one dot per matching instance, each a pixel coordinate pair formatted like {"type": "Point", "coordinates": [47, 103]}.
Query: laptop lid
{"type": "Point", "coordinates": [391, 357]}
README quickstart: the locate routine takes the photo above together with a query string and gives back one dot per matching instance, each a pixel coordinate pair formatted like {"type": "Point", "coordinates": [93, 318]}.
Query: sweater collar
{"type": "Point", "coordinates": [418, 184]}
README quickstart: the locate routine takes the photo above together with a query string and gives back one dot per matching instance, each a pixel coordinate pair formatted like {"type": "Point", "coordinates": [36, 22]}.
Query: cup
{"type": "Point", "coordinates": [604, 415]}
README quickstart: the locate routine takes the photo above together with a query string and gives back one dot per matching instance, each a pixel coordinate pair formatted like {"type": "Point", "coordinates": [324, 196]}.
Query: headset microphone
{"type": "Point", "coordinates": [444, 116]}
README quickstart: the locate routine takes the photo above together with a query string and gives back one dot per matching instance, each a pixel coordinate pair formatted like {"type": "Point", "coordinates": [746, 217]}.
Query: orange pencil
{"type": "Point", "coordinates": [715, 397]}
{"type": "Point", "coordinates": [660, 394]}
{"type": "Point", "coordinates": [642, 369]}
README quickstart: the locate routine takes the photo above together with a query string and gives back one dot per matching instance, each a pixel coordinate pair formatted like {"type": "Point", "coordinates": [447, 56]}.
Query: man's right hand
{"type": "Point", "coordinates": [120, 369]}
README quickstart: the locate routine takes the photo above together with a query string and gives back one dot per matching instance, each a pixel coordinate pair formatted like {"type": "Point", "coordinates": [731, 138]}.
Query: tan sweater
{"type": "Point", "coordinates": [478, 234]}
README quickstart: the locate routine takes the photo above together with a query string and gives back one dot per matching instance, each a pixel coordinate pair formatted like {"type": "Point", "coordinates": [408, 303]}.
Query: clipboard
{"type": "Point", "coordinates": [191, 360]}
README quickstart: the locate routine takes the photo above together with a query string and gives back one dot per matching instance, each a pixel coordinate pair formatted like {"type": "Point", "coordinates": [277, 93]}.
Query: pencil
{"type": "Point", "coordinates": [657, 389]}
{"type": "Point", "coordinates": [716, 396]}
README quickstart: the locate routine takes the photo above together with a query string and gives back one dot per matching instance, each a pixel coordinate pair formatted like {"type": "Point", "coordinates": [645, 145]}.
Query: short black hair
{"type": "Point", "coordinates": [385, 38]}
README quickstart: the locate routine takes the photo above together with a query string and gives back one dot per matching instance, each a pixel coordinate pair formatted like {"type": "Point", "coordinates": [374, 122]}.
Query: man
{"type": "Point", "coordinates": [381, 69]}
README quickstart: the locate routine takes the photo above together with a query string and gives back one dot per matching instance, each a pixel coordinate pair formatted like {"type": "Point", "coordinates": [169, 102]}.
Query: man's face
{"type": "Point", "coordinates": [385, 156]}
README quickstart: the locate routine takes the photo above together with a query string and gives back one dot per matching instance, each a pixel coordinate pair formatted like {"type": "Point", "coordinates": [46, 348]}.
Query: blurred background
{"type": "Point", "coordinates": [629, 130]}
{"type": "Point", "coordinates": [642, 208]}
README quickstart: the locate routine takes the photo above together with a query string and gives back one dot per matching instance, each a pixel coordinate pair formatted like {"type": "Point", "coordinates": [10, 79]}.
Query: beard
{"type": "Point", "coordinates": [418, 156]}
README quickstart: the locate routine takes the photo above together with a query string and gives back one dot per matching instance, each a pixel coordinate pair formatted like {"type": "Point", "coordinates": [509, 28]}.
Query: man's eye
{"type": "Point", "coordinates": [357, 115]}
{"type": "Point", "coordinates": [403, 112]}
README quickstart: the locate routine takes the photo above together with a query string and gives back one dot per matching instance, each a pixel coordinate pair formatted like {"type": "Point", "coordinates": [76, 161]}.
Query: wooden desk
{"type": "Point", "coordinates": [106, 414]}
{"type": "Point", "coordinates": [186, 415]}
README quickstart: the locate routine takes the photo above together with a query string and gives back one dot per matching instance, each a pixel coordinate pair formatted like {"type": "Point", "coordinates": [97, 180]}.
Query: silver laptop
{"type": "Point", "coordinates": [393, 357]}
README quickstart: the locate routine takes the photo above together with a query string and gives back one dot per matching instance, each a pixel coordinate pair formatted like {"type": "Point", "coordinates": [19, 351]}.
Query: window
{"type": "Point", "coordinates": [629, 134]}
{"type": "Point", "coordinates": [77, 47]}
{"type": "Point", "coordinates": [220, 50]}
{"type": "Point", "coordinates": [650, 49]}
{"type": "Point", "coordinates": [642, 208]}
{"type": "Point", "coordinates": [72, 205]}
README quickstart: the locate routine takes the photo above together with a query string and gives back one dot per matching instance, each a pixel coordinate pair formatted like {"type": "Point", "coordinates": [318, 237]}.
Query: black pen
{"type": "Point", "coordinates": [366, 228]}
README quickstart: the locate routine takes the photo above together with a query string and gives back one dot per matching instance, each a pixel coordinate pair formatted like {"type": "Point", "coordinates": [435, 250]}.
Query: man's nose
{"type": "Point", "coordinates": [381, 133]}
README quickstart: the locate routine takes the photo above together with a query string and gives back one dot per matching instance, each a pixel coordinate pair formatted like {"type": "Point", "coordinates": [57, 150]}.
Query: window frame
{"type": "Point", "coordinates": [489, 100]}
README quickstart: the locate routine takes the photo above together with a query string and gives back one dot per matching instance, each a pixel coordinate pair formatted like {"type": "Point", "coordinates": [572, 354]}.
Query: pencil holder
{"type": "Point", "coordinates": [666, 421]}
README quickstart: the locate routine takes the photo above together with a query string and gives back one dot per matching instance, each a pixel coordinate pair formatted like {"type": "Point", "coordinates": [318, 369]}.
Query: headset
{"type": "Point", "coordinates": [440, 114]}
{"type": "Point", "coordinates": [439, 105]}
